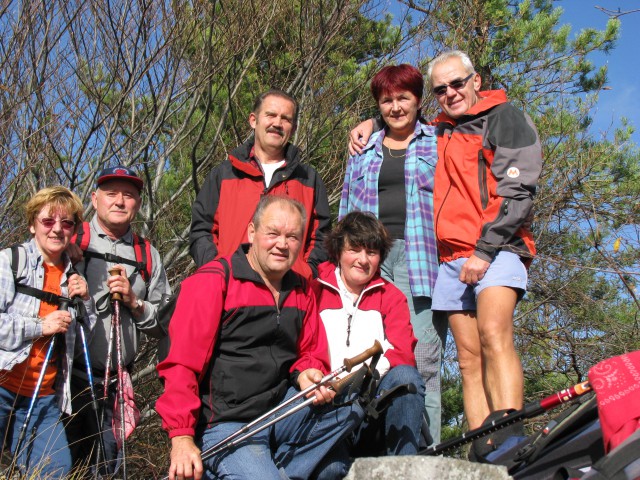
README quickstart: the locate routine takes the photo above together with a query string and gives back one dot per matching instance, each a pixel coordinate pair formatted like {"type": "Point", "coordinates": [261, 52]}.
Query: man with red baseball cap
{"type": "Point", "coordinates": [107, 242]}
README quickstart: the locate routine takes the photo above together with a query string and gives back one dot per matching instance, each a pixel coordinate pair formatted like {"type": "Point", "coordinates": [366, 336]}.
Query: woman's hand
{"type": "Point", "coordinates": [78, 287]}
{"type": "Point", "coordinates": [57, 321]}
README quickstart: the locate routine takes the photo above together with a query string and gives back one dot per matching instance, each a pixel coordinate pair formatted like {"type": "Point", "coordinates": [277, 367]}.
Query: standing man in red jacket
{"type": "Point", "coordinates": [489, 161]}
{"type": "Point", "coordinates": [267, 164]}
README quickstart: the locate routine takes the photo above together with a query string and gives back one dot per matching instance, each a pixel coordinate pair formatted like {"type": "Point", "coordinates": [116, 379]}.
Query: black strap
{"type": "Point", "coordinates": [110, 257]}
{"type": "Point", "coordinates": [48, 297]}
{"type": "Point", "coordinates": [613, 464]}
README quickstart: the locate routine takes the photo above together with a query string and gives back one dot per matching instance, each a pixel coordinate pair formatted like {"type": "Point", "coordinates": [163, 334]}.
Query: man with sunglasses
{"type": "Point", "coordinates": [116, 200]}
{"type": "Point", "coordinates": [489, 161]}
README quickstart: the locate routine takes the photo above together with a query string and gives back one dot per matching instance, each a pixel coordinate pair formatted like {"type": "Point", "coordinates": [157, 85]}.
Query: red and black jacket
{"type": "Point", "coordinates": [229, 196]}
{"type": "Point", "coordinates": [233, 349]}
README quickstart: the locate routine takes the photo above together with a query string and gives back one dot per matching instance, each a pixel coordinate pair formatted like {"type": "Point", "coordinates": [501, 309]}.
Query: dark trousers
{"type": "Point", "coordinates": [82, 430]}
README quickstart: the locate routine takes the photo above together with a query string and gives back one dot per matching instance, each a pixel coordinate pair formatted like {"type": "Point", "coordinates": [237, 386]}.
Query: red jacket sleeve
{"type": "Point", "coordinates": [313, 348]}
{"type": "Point", "coordinates": [193, 331]}
{"type": "Point", "coordinates": [397, 328]}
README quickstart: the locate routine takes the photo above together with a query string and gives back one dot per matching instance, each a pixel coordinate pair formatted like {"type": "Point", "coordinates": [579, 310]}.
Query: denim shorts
{"type": "Point", "coordinates": [450, 294]}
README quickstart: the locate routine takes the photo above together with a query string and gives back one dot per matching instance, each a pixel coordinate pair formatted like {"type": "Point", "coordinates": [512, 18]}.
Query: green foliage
{"type": "Point", "coordinates": [168, 88]}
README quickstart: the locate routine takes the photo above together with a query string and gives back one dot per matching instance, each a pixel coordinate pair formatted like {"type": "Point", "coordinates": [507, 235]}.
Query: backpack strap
{"type": "Point", "coordinates": [82, 236]}
{"type": "Point", "coordinates": [15, 262]}
{"type": "Point", "coordinates": [141, 249]}
{"type": "Point", "coordinates": [26, 289]}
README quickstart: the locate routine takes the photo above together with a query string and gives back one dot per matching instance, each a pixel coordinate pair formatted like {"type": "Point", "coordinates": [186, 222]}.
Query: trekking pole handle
{"type": "Point", "coordinates": [376, 349]}
{"type": "Point", "coordinates": [338, 385]}
{"type": "Point", "coordinates": [63, 303]}
{"type": "Point", "coordinates": [116, 296]}
{"type": "Point", "coordinates": [565, 395]}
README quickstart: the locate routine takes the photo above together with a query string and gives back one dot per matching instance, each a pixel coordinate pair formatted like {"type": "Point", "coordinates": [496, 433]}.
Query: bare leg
{"type": "Point", "coordinates": [464, 327]}
{"type": "Point", "coordinates": [502, 370]}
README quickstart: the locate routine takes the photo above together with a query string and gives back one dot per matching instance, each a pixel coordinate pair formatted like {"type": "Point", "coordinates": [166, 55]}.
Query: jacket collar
{"type": "Point", "coordinates": [127, 237]}
{"type": "Point", "coordinates": [490, 99]}
{"type": "Point", "coordinates": [243, 159]}
{"type": "Point", "coordinates": [421, 129]}
{"type": "Point", "coordinates": [242, 270]}
{"type": "Point", "coordinates": [34, 257]}
{"type": "Point", "coordinates": [327, 278]}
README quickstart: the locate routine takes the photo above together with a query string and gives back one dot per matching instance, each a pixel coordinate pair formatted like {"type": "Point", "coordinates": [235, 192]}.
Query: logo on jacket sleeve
{"type": "Point", "coordinates": [513, 172]}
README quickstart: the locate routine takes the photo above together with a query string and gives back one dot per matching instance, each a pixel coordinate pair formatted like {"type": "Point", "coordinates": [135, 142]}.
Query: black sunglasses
{"type": "Point", "coordinates": [456, 85]}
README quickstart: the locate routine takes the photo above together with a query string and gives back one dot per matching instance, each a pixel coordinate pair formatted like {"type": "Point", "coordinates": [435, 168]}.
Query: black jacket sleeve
{"type": "Point", "coordinates": [201, 244]}
{"type": "Point", "coordinates": [320, 227]}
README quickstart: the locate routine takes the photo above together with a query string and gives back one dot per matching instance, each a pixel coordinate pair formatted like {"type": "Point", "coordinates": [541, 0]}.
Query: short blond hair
{"type": "Point", "coordinates": [57, 197]}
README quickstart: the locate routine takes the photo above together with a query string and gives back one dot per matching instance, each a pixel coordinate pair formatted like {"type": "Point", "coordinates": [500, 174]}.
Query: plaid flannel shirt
{"type": "Point", "coordinates": [360, 192]}
{"type": "Point", "coordinates": [19, 323]}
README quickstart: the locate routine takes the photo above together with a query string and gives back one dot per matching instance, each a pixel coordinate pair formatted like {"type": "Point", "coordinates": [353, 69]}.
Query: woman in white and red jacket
{"type": "Point", "coordinates": [357, 307]}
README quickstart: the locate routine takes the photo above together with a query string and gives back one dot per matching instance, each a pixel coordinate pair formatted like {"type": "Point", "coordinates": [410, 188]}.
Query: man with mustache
{"type": "Point", "coordinates": [266, 164]}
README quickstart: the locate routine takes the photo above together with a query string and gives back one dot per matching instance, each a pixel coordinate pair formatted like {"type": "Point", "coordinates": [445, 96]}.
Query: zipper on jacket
{"type": "Point", "coordinates": [482, 180]}
{"type": "Point", "coordinates": [437, 214]}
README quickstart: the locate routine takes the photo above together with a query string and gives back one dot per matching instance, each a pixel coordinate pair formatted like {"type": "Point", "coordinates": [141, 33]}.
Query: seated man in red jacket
{"type": "Point", "coordinates": [240, 345]}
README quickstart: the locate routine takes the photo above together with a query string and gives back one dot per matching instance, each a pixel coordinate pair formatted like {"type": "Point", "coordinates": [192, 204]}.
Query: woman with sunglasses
{"type": "Point", "coordinates": [393, 178]}
{"type": "Point", "coordinates": [34, 379]}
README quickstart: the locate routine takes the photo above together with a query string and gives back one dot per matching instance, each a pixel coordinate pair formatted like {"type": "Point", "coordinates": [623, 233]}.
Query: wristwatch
{"type": "Point", "coordinates": [139, 307]}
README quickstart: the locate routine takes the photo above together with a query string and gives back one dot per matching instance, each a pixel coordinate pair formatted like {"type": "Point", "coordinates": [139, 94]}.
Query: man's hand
{"type": "Point", "coordinates": [359, 136]}
{"type": "Point", "coordinates": [185, 459]}
{"type": "Point", "coordinates": [74, 252]}
{"type": "Point", "coordinates": [120, 284]}
{"type": "Point", "coordinates": [473, 270]}
{"type": "Point", "coordinates": [312, 376]}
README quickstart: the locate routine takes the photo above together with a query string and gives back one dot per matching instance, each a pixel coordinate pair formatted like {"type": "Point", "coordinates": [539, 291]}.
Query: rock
{"type": "Point", "coordinates": [423, 468]}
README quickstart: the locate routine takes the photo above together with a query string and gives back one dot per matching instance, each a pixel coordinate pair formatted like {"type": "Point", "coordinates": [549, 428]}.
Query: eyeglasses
{"type": "Point", "coordinates": [456, 85]}
{"type": "Point", "coordinates": [50, 222]}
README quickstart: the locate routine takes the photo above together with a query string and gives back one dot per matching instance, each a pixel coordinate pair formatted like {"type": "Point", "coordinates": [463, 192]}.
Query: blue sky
{"type": "Point", "coordinates": [623, 99]}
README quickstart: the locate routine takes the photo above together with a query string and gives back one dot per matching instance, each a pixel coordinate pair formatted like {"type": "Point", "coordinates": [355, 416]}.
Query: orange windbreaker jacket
{"type": "Point", "coordinates": [488, 166]}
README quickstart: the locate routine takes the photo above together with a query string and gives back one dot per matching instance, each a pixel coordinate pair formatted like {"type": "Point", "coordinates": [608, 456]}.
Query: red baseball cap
{"type": "Point", "coordinates": [120, 173]}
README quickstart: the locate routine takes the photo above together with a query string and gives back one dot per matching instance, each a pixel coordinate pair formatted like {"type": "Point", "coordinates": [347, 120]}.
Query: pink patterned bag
{"type": "Point", "coordinates": [131, 412]}
{"type": "Point", "coordinates": [616, 382]}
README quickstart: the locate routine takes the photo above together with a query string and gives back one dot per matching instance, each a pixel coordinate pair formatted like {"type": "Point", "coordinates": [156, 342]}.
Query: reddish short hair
{"type": "Point", "coordinates": [395, 78]}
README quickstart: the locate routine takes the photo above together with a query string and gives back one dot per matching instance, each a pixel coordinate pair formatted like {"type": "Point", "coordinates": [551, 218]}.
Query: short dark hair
{"type": "Point", "coordinates": [276, 92]}
{"type": "Point", "coordinates": [359, 230]}
{"type": "Point", "coordinates": [396, 78]}
{"type": "Point", "coordinates": [268, 200]}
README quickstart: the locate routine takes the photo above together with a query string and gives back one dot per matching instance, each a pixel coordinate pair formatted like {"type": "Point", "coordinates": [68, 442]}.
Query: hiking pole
{"type": "Point", "coordinates": [241, 435]}
{"type": "Point", "coordinates": [116, 298]}
{"type": "Point", "coordinates": [530, 410]}
{"type": "Point", "coordinates": [105, 390]}
{"type": "Point", "coordinates": [94, 400]}
{"type": "Point", "coordinates": [63, 304]}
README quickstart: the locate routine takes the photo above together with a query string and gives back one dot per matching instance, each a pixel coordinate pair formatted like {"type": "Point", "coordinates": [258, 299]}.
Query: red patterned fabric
{"type": "Point", "coordinates": [616, 382]}
{"type": "Point", "coordinates": [131, 412]}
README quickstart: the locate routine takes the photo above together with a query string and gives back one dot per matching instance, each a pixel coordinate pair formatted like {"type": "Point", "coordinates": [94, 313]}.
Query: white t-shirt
{"type": "Point", "coordinates": [269, 169]}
